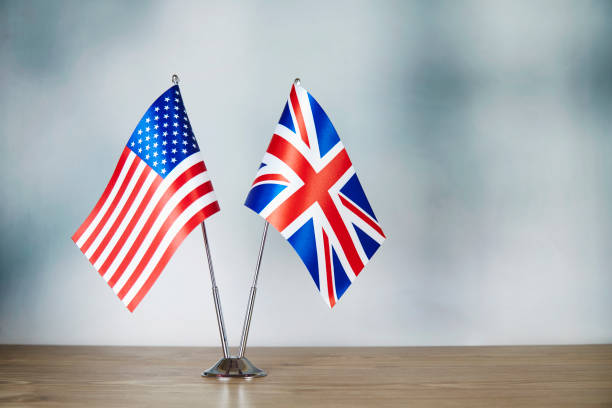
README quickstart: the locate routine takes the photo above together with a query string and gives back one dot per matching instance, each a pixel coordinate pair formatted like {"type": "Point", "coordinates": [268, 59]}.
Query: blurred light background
{"type": "Point", "coordinates": [480, 130]}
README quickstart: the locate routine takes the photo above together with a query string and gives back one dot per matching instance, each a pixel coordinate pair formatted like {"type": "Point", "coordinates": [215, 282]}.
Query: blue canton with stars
{"type": "Point", "coordinates": [163, 138]}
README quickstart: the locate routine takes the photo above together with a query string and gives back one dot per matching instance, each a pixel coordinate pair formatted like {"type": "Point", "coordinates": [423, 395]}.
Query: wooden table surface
{"type": "Point", "coordinates": [540, 376]}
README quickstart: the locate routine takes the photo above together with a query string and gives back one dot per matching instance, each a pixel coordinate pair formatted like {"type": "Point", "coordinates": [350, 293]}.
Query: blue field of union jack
{"type": "Point", "coordinates": [306, 187]}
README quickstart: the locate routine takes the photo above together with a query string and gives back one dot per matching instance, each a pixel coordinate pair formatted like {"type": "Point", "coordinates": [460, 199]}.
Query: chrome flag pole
{"type": "Point", "coordinates": [215, 289]}
{"type": "Point", "coordinates": [240, 366]}
{"type": "Point", "coordinates": [215, 292]}
{"type": "Point", "coordinates": [249, 312]}
{"type": "Point", "coordinates": [213, 281]}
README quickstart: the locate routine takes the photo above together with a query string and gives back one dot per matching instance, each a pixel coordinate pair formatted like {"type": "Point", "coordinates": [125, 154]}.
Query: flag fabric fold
{"type": "Point", "coordinates": [306, 188]}
{"type": "Point", "coordinates": [159, 192]}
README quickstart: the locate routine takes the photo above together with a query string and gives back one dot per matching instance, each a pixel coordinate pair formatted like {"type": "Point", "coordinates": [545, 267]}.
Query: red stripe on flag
{"type": "Point", "coordinates": [193, 222]}
{"type": "Point", "coordinates": [195, 194]}
{"type": "Point", "coordinates": [174, 187]}
{"type": "Point", "coordinates": [286, 152]}
{"type": "Point", "coordinates": [121, 216]}
{"type": "Point", "coordinates": [298, 115]}
{"type": "Point", "coordinates": [133, 221]}
{"type": "Point", "coordinates": [113, 205]}
{"type": "Point", "coordinates": [361, 215]}
{"type": "Point", "coordinates": [270, 177]}
{"type": "Point", "coordinates": [339, 227]}
{"type": "Point", "coordinates": [79, 232]}
{"type": "Point", "coordinates": [328, 271]}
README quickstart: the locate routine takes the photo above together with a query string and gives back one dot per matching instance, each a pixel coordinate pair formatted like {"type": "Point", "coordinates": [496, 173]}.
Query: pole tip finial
{"type": "Point", "coordinates": [296, 82]}
{"type": "Point", "coordinates": [175, 79]}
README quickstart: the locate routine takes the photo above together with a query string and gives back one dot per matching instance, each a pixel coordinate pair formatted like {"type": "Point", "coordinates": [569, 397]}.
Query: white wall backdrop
{"type": "Point", "coordinates": [481, 132]}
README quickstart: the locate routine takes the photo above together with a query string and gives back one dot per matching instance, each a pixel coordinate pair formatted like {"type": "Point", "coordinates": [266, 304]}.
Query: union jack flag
{"type": "Point", "coordinates": [159, 192]}
{"type": "Point", "coordinates": [306, 187]}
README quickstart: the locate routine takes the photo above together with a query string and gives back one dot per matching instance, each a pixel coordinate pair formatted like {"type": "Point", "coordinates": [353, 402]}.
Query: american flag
{"type": "Point", "coordinates": [159, 192]}
{"type": "Point", "coordinates": [306, 187]}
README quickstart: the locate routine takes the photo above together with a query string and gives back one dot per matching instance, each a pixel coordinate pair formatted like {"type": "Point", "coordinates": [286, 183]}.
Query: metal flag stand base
{"type": "Point", "coordinates": [240, 366]}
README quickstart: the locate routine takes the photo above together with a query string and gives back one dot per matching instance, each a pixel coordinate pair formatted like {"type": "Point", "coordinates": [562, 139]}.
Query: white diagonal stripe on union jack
{"type": "Point", "coordinates": [159, 192]}
{"type": "Point", "coordinates": [306, 187]}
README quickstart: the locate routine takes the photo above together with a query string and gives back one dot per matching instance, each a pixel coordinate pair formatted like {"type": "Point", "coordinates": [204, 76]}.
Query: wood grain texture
{"type": "Point", "coordinates": [540, 376]}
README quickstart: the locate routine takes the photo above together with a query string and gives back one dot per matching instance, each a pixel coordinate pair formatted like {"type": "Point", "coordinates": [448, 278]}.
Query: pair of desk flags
{"type": "Point", "coordinates": [306, 187]}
